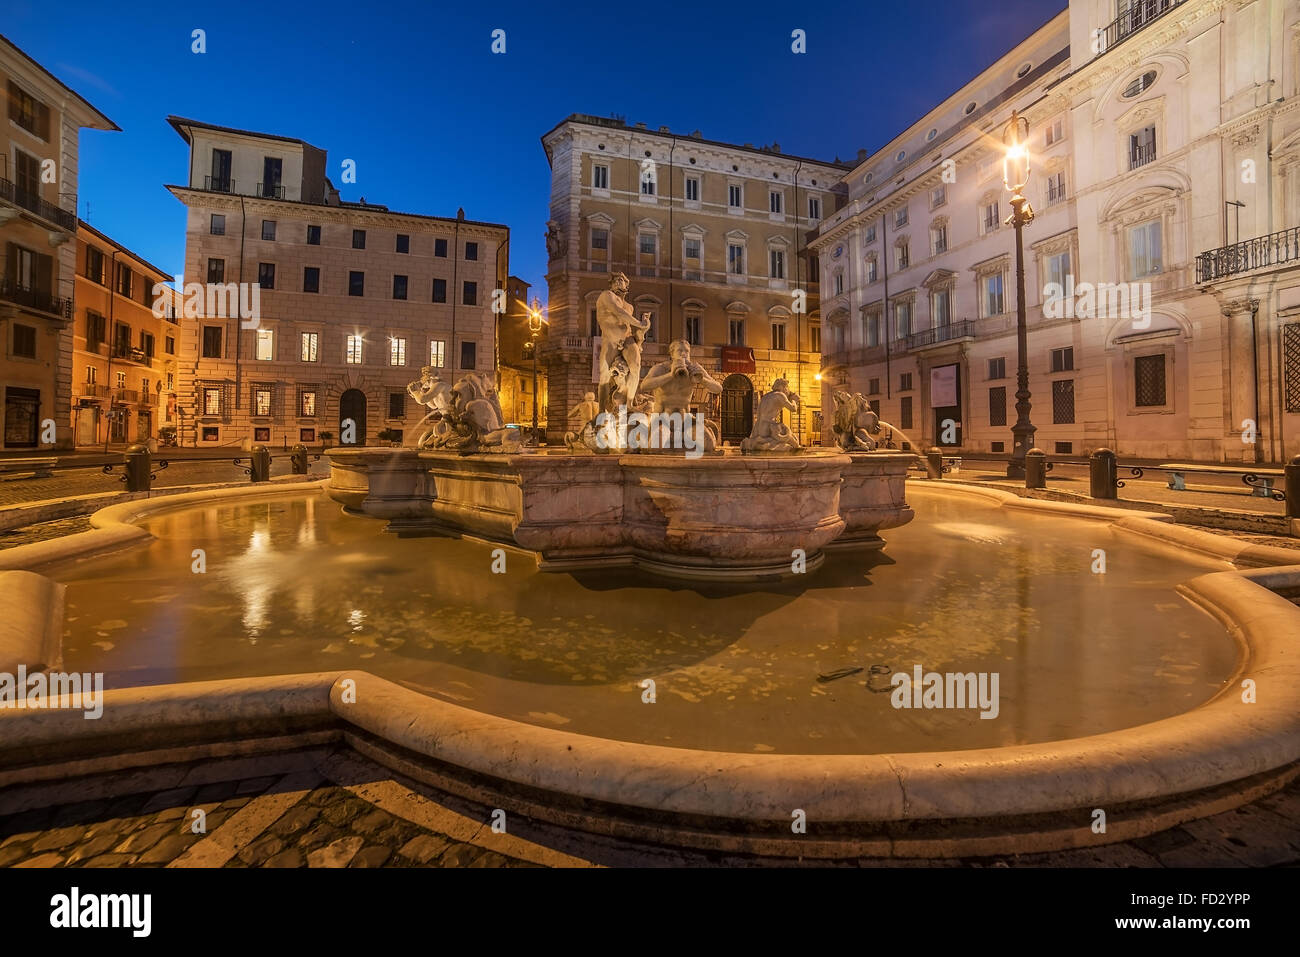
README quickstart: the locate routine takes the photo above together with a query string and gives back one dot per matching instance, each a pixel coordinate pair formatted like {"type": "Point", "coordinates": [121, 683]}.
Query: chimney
{"type": "Point", "coordinates": [862, 156]}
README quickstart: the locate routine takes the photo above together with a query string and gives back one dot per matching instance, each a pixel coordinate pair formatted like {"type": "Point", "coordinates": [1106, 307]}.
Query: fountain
{"type": "Point", "coordinates": [657, 493]}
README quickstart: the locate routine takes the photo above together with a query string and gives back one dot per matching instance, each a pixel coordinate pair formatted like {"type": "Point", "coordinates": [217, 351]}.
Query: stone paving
{"type": "Point", "coordinates": [333, 808]}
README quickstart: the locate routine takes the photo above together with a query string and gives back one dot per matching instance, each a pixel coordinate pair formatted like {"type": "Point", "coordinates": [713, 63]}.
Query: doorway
{"type": "Point", "coordinates": [737, 416]}
{"type": "Point", "coordinates": [22, 417]}
{"type": "Point", "coordinates": [352, 405]}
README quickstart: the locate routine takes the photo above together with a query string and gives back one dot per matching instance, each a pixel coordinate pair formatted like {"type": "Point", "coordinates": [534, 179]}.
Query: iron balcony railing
{"type": "Point", "coordinates": [929, 337]}
{"type": "Point", "coordinates": [270, 190]}
{"type": "Point", "coordinates": [1139, 15]}
{"type": "Point", "coordinates": [1273, 250]}
{"type": "Point", "coordinates": [219, 184]}
{"type": "Point", "coordinates": [94, 390]}
{"type": "Point", "coordinates": [1141, 155]}
{"type": "Point", "coordinates": [32, 202]}
{"type": "Point", "coordinates": [17, 294]}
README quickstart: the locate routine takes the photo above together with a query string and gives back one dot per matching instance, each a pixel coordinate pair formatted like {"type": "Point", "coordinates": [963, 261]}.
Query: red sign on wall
{"type": "Point", "coordinates": [738, 359]}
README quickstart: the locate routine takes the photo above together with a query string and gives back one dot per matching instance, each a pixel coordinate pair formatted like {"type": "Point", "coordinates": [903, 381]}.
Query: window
{"type": "Point", "coordinates": [839, 282]}
{"type": "Point", "coordinates": [356, 283]}
{"type": "Point", "coordinates": [777, 263]}
{"type": "Point", "coordinates": [941, 307]}
{"type": "Point", "coordinates": [904, 382]}
{"type": "Point", "coordinates": [437, 353]}
{"type": "Point", "coordinates": [94, 265]}
{"type": "Point", "coordinates": [399, 287]}
{"type": "Point", "coordinates": [900, 217]}
{"type": "Point", "coordinates": [871, 234]}
{"type": "Point", "coordinates": [1144, 250]}
{"type": "Point", "coordinates": [1063, 359]}
{"type": "Point", "coordinates": [353, 355]}
{"type": "Point", "coordinates": [311, 279]}
{"type": "Point", "coordinates": [265, 345]}
{"type": "Point", "coordinates": [397, 351]}
{"type": "Point", "coordinates": [210, 433]}
{"type": "Point", "coordinates": [266, 275]}
{"type": "Point", "coordinates": [272, 171]}
{"type": "Point", "coordinates": [268, 230]}
{"type": "Point", "coordinates": [307, 403]}
{"type": "Point", "coordinates": [313, 235]}
{"type": "Point", "coordinates": [815, 337]}
{"type": "Point", "coordinates": [599, 177]}
{"type": "Point", "coordinates": [736, 259]}
{"type": "Point", "coordinates": [468, 354]}
{"type": "Point", "coordinates": [736, 332]}
{"type": "Point", "coordinates": [998, 368]}
{"type": "Point", "coordinates": [92, 374]}
{"type": "Point", "coordinates": [1058, 267]}
{"type": "Point", "coordinates": [471, 252]}
{"type": "Point", "coordinates": [939, 238]}
{"type": "Point", "coordinates": [1142, 83]}
{"type": "Point", "coordinates": [1149, 381]}
{"type": "Point", "coordinates": [28, 112]}
{"type": "Point", "coordinates": [24, 341]}
{"type": "Point", "coordinates": [991, 219]}
{"type": "Point", "coordinates": [125, 280]}
{"type": "Point", "coordinates": [735, 198]}
{"type": "Point", "coordinates": [220, 180]}
{"type": "Point", "coordinates": [469, 297]}
{"type": "Point", "coordinates": [396, 405]}
{"type": "Point", "coordinates": [403, 243]}
{"type": "Point", "coordinates": [261, 400]}
{"type": "Point", "coordinates": [938, 196]}
{"type": "Point", "coordinates": [217, 224]}
{"type": "Point", "coordinates": [691, 250]}
{"type": "Point", "coordinates": [775, 201]}
{"type": "Point", "coordinates": [693, 330]}
{"type": "Point", "coordinates": [902, 255]}
{"type": "Point", "coordinates": [902, 319]}
{"type": "Point", "coordinates": [1063, 402]}
{"type": "Point", "coordinates": [440, 248]}
{"type": "Point", "coordinates": [1142, 147]}
{"type": "Point", "coordinates": [647, 183]}
{"type": "Point", "coordinates": [1055, 187]}
{"type": "Point", "coordinates": [310, 343]}
{"type": "Point", "coordinates": [216, 270]}
{"type": "Point", "coordinates": [814, 207]}
{"type": "Point", "coordinates": [169, 343]}
{"type": "Point", "coordinates": [778, 336]}
{"type": "Point", "coordinates": [873, 330]}
{"type": "Point", "coordinates": [998, 405]}
{"type": "Point", "coordinates": [1054, 132]}
{"type": "Point", "coordinates": [873, 270]}
{"type": "Point", "coordinates": [121, 380]}
{"type": "Point", "coordinates": [96, 326]}
{"type": "Point", "coordinates": [991, 299]}
{"type": "Point", "coordinates": [212, 342]}
{"type": "Point", "coordinates": [440, 290]}
{"type": "Point", "coordinates": [212, 400]}
{"type": "Point", "coordinates": [647, 243]}
{"type": "Point", "coordinates": [873, 386]}
{"type": "Point", "coordinates": [905, 412]}
{"type": "Point", "coordinates": [600, 239]}
{"type": "Point", "coordinates": [358, 239]}
{"type": "Point", "coordinates": [147, 344]}
{"type": "Point", "coordinates": [692, 189]}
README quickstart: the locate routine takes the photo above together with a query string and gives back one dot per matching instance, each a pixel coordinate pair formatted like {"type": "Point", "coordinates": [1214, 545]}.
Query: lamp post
{"type": "Point", "coordinates": [1015, 173]}
{"type": "Point", "coordinates": [535, 328]}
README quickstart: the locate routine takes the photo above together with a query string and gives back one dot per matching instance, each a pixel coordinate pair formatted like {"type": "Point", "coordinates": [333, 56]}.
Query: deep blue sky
{"type": "Point", "coordinates": [435, 121]}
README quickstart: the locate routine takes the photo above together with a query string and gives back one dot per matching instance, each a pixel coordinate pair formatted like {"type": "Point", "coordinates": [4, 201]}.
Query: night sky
{"type": "Point", "coordinates": [435, 120]}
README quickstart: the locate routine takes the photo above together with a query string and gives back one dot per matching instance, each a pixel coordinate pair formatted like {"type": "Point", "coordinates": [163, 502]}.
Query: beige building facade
{"type": "Point", "coordinates": [712, 238]}
{"type": "Point", "coordinates": [1146, 121]}
{"type": "Point", "coordinates": [352, 299]}
{"type": "Point", "coordinates": [39, 150]}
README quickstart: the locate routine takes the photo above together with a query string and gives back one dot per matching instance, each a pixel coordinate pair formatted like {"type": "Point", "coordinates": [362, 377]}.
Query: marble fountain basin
{"type": "Point", "coordinates": [725, 517]}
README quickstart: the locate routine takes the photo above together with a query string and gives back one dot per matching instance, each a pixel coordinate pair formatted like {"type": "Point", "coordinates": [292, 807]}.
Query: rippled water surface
{"type": "Point", "coordinates": [296, 585]}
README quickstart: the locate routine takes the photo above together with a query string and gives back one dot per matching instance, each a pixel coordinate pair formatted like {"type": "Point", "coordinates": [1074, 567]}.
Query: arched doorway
{"type": "Point", "coordinates": [737, 407]}
{"type": "Point", "coordinates": [352, 405]}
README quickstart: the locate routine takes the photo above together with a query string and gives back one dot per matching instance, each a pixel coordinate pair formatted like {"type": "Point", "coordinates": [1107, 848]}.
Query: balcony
{"type": "Point", "coordinates": [218, 184]}
{"type": "Point", "coordinates": [127, 395]}
{"type": "Point", "coordinates": [35, 299]}
{"type": "Point", "coordinates": [93, 390]}
{"type": "Point", "coordinates": [32, 202]}
{"type": "Point", "coordinates": [270, 190]}
{"type": "Point", "coordinates": [1139, 156]}
{"type": "Point", "coordinates": [131, 354]}
{"type": "Point", "coordinates": [1273, 250]}
{"type": "Point", "coordinates": [1140, 15]}
{"type": "Point", "coordinates": [930, 337]}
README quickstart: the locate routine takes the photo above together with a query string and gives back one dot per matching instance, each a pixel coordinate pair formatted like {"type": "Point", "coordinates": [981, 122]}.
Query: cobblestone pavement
{"type": "Point", "coordinates": [332, 808]}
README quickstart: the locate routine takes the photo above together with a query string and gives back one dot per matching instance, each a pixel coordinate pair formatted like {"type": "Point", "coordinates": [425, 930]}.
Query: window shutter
{"type": "Point", "coordinates": [43, 121]}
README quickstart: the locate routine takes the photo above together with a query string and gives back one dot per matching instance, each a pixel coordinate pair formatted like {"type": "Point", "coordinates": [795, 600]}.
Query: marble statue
{"type": "Point", "coordinates": [584, 413]}
{"type": "Point", "coordinates": [770, 433]}
{"type": "Point", "coordinates": [622, 333]}
{"type": "Point", "coordinates": [435, 395]}
{"type": "Point", "coordinates": [673, 383]}
{"type": "Point", "coordinates": [554, 239]}
{"type": "Point", "coordinates": [857, 427]}
{"type": "Point", "coordinates": [473, 419]}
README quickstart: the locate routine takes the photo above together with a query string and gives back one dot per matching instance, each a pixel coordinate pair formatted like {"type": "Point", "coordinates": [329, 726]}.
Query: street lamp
{"type": "Point", "coordinates": [1015, 173]}
{"type": "Point", "coordinates": [535, 321]}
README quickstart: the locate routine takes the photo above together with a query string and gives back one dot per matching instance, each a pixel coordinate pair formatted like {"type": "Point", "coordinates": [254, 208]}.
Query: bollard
{"type": "Point", "coordinates": [137, 464]}
{"type": "Point", "coordinates": [260, 464]}
{"type": "Point", "coordinates": [934, 463]}
{"type": "Point", "coordinates": [1035, 469]}
{"type": "Point", "coordinates": [299, 459]}
{"type": "Point", "coordinates": [1102, 474]}
{"type": "Point", "coordinates": [1291, 471]}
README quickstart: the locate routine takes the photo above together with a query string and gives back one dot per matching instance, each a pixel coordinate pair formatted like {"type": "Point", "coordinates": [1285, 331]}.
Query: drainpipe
{"type": "Point", "coordinates": [239, 325]}
{"type": "Point", "coordinates": [455, 288]}
{"type": "Point", "coordinates": [112, 339]}
{"type": "Point", "coordinates": [504, 279]}
{"type": "Point", "coordinates": [884, 305]}
{"type": "Point", "coordinates": [1254, 375]}
{"type": "Point", "coordinates": [798, 352]}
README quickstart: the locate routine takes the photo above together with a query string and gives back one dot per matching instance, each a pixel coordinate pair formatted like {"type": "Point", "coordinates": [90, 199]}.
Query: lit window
{"type": "Point", "coordinates": [262, 400]}
{"type": "Point", "coordinates": [397, 352]}
{"type": "Point", "coordinates": [437, 353]}
{"type": "Point", "coordinates": [1144, 250]}
{"type": "Point", "coordinates": [353, 356]}
{"type": "Point", "coordinates": [310, 341]}
{"type": "Point", "coordinates": [265, 345]}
